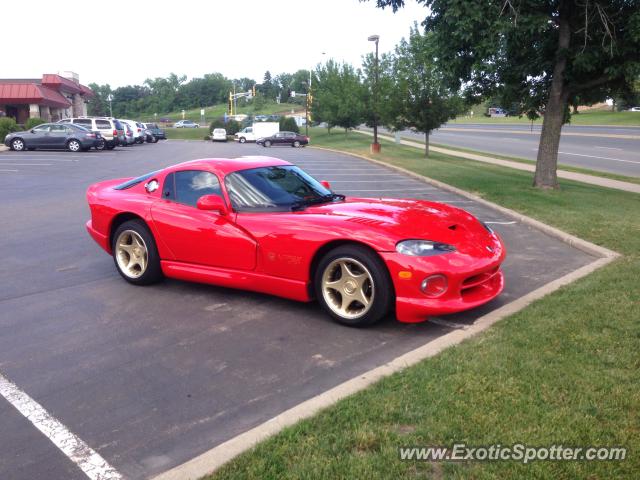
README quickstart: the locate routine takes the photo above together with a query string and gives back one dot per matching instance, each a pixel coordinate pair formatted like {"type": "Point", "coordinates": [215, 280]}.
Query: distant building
{"type": "Point", "coordinates": [51, 98]}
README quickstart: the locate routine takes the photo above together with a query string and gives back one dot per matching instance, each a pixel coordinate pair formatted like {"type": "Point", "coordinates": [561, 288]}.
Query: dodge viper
{"type": "Point", "coordinates": [263, 224]}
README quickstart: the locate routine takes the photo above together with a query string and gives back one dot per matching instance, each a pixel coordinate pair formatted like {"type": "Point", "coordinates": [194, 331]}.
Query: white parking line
{"type": "Point", "coordinates": [500, 223]}
{"type": "Point", "coordinates": [7, 170]}
{"type": "Point", "coordinates": [90, 462]}
{"type": "Point", "coordinates": [392, 190]}
{"type": "Point", "coordinates": [27, 164]}
{"type": "Point", "coordinates": [610, 148]}
{"type": "Point", "coordinates": [373, 181]}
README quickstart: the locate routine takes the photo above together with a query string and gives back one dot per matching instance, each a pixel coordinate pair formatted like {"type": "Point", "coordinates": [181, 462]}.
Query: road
{"type": "Point", "coordinates": [606, 149]}
{"type": "Point", "coordinates": [150, 377]}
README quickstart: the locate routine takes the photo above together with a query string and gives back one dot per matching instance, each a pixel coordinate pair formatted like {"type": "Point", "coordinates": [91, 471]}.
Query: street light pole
{"type": "Point", "coordinates": [375, 146]}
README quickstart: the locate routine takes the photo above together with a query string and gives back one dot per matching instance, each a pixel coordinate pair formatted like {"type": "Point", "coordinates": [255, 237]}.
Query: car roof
{"type": "Point", "coordinates": [224, 166]}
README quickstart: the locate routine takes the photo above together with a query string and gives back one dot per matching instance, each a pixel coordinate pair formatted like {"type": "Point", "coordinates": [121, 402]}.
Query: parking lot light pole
{"type": "Point", "coordinates": [375, 146]}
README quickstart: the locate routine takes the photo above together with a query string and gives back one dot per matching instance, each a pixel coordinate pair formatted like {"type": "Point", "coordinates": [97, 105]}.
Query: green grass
{"type": "Point", "coordinates": [589, 117]}
{"type": "Point", "coordinates": [186, 133]}
{"type": "Point", "coordinates": [568, 168]}
{"type": "Point", "coordinates": [216, 111]}
{"type": "Point", "coordinates": [563, 370]}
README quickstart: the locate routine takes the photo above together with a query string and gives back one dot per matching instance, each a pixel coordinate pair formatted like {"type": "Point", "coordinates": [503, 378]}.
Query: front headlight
{"type": "Point", "coordinates": [423, 248]}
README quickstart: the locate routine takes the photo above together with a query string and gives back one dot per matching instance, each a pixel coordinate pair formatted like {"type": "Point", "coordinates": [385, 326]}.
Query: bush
{"type": "Point", "coordinates": [288, 124]}
{"type": "Point", "coordinates": [7, 125]}
{"type": "Point", "coordinates": [232, 127]}
{"type": "Point", "coordinates": [217, 123]}
{"type": "Point", "coordinates": [33, 122]}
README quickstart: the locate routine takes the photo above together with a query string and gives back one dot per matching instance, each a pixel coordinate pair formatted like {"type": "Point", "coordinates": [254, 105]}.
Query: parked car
{"type": "Point", "coordinates": [634, 109]}
{"type": "Point", "coordinates": [219, 135]}
{"type": "Point", "coordinates": [128, 134]}
{"type": "Point", "coordinates": [110, 129]}
{"type": "Point", "coordinates": [263, 224]}
{"type": "Point", "coordinates": [284, 138]}
{"type": "Point", "coordinates": [137, 129]}
{"type": "Point", "coordinates": [156, 131]}
{"type": "Point", "coordinates": [186, 124]}
{"type": "Point", "coordinates": [53, 136]}
{"type": "Point", "coordinates": [257, 130]}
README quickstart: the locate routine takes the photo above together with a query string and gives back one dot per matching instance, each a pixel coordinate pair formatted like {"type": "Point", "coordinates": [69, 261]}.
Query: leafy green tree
{"type": "Point", "coordinates": [538, 53]}
{"type": "Point", "coordinates": [267, 88]}
{"type": "Point", "coordinates": [338, 96]}
{"type": "Point", "coordinates": [414, 91]}
{"type": "Point", "coordinates": [288, 124]}
{"type": "Point", "coordinates": [33, 122]}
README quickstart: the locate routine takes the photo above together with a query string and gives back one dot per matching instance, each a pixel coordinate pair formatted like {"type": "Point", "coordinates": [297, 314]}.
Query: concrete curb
{"type": "Point", "coordinates": [213, 459]}
{"type": "Point", "coordinates": [3, 148]}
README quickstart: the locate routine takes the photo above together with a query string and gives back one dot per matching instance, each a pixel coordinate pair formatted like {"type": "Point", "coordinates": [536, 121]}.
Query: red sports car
{"type": "Point", "coordinates": [263, 224]}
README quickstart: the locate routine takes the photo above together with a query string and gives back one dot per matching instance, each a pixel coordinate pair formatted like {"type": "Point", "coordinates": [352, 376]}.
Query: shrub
{"type": "Point", "coordinates": [217, 123]}
{"type": "Point", "coordinates": [232, 127]}
{"type": "Point", "coordinates": [288, 124]}
{"type": "Point", "coordinates": [7, 125]}
{"type": "Point", "coordinates": [33, 122]}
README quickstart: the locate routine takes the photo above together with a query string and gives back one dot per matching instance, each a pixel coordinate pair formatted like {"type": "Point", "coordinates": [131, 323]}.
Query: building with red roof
{"type": "Point", "coordinates": [51, 97]}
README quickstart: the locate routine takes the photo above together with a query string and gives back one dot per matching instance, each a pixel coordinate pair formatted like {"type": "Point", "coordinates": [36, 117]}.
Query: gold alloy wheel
{"type": "Point", "coordinates": [347, 288]}
{"type": "Point", "coordinates": [131, 254]}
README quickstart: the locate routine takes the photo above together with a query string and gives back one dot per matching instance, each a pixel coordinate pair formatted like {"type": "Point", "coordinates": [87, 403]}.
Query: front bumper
{"type": "Point", "coordinates": [471, 283]}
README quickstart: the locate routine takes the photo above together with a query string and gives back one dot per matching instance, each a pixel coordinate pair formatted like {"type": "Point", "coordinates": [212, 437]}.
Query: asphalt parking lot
{"type": "Point", "coordinates": [150, 377]}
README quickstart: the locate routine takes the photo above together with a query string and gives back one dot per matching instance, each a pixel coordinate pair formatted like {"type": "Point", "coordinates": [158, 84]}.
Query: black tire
{"type": "Point", "coordinates": [242, 140]}
{"type": "Point", "coordinates": [101, 145]}
{"type": "Point", "coordinates": [267, 143]}
{"type": "Point", "coordinates": [17, 145]}
{"type": "Point", "coordinates": [380, 284]}
{"type": "Point", "coordinates": [153, 271]}
{"type": "Point", "coordinates": [155, 140]}
{"type": "Point", "coordinates": [295, 144]}
{"type": "Point", "coordinates": [110, 147]}
{"type": "Point", "coordinates": [74, 145]}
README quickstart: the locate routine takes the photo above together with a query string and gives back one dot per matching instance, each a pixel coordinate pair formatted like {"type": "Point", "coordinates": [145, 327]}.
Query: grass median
{"type": "Point", "coordinates": [565, 370]}
{"type": "Point", "coordinates": [186, 133]}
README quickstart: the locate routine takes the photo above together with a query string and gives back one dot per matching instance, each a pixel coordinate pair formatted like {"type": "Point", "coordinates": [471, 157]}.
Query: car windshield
{"type": "Point", "coordinates": [280, 188]}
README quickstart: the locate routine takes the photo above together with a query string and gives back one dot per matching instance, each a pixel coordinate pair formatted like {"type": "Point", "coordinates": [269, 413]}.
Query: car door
{"type": "Point", "coordinates": [279, 138]}
{"type": "Point", "coordinates": [198, 236]}
{"type": "Point", "coordinates": [38, 136]}
{"type": "Point", "coordinates": [57, 136]}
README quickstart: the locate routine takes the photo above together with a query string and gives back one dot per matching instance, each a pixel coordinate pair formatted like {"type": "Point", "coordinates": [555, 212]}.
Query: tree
{"type": "Point", "coordinates": [538, 53]}
{"type": "Point", "coordinates": [338, 96]}
{"type": "Point", "coordinates": [414, 91]}
{"type": "Point", "coordinates": [267, 88]}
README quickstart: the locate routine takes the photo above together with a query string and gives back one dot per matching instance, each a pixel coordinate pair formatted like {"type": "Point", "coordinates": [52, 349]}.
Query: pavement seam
{"type": "Point", "coordinates": [216, 457]}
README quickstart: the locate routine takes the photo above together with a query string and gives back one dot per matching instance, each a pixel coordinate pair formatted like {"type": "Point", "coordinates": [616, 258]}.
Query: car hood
{"type": "Point", "coordinates": [394, 220]}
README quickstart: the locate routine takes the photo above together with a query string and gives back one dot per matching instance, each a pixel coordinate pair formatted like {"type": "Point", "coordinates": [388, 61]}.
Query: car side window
{"type": "Point", "coordinates": [58, 128]}
{"type": "Point", "coordinates": [103, 124]}
{"type": "Point", "coordinates": [85, 122]}
{"type": "Point", "coordinates": [42, 128]}
{"type": "Point", "coordinates": [188, 186]}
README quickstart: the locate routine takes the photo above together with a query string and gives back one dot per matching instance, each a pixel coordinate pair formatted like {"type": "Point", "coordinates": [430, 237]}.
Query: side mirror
{"type": "Point", "coordinates": [212, 203]}
{"type": "Point", "coordinates": [325, 184]}
{"type": "Point", "coordinates": [33, 130]}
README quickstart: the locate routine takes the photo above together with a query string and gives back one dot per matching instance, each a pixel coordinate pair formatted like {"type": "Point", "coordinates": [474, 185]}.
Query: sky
{"type": "Point", "coordinates": [242, 38]}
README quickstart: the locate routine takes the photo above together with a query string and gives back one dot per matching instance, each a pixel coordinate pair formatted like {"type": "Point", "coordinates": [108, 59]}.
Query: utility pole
{"type": "Point", "coordinates": [375, 146]}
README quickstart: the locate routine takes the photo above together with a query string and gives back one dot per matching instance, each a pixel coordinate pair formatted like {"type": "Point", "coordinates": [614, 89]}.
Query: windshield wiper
{"type": "Point", "coordinates": [301, 204]}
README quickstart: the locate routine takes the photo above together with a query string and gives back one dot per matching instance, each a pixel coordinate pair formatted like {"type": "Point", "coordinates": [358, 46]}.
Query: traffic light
{"type": "Point", "coordinates": [230, 106]}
